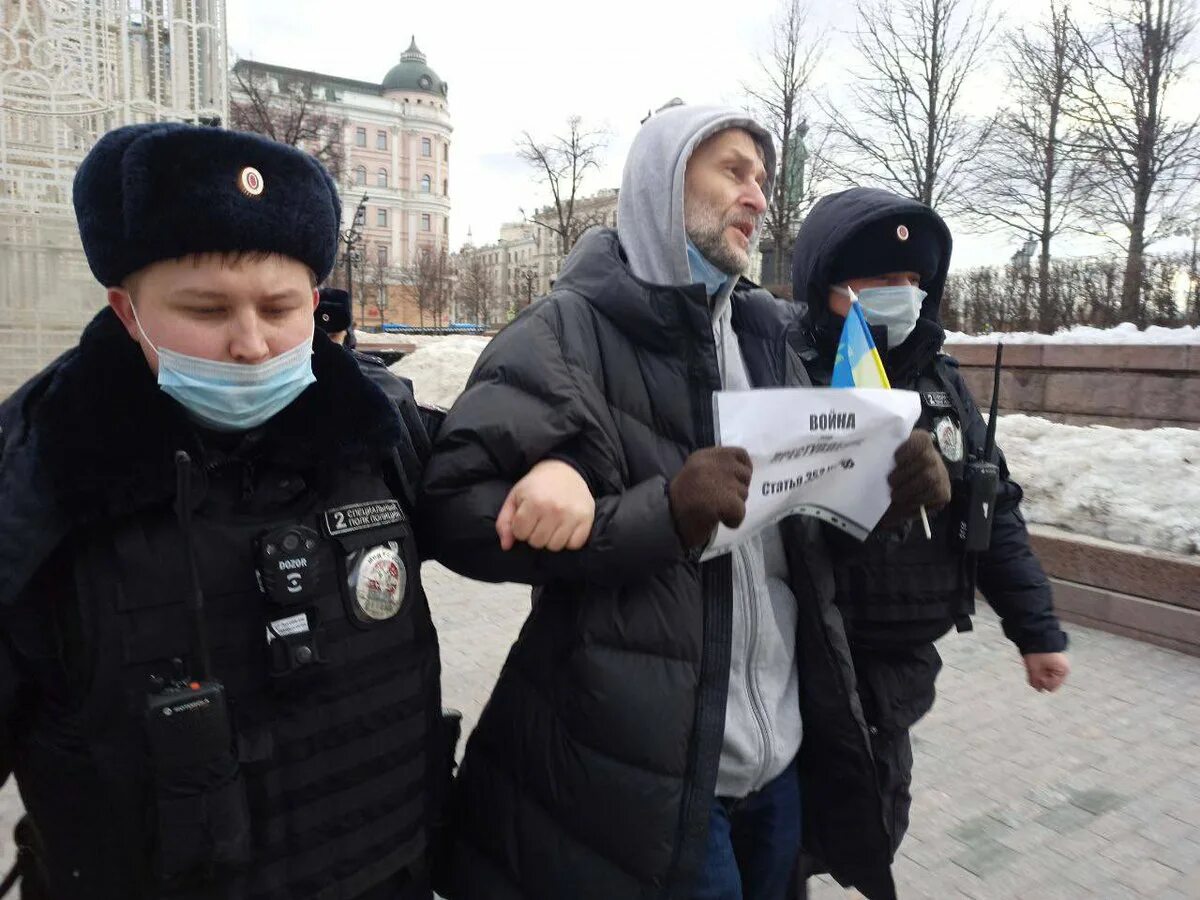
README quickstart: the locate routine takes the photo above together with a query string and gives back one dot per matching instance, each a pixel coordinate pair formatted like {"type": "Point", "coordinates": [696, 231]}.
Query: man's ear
{"type": "Point", "coordinates": [122, 304]}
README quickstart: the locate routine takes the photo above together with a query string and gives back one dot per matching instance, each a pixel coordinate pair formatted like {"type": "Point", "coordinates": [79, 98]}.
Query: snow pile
{"type": "Point", "coordinates": [440, 366]}
{"type": "Point", "coordinates": [1121, 484]}
{"type": "Point", "coordinates": [416, 340]}
{"type": "Point", "coordinates": [1125, 333]}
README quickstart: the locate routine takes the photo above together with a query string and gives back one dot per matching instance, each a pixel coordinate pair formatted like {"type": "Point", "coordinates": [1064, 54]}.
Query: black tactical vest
{"type": "Point", "coordinates": [321, 636]}
{"type": "Point", "coordinates": [885, 580]}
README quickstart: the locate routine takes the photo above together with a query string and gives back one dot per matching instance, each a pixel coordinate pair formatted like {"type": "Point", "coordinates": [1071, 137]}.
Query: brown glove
{"type": "Point", "coordinates": [919, 479]}
{"type": "Point", "coordinates": [711, 488]}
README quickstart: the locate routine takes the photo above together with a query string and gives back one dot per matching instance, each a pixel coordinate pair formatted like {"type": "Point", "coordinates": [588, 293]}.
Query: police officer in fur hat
{"type": "Point", "coordinates": [898, 591]}
{"type": "Point", "coordinates": [334, 315]}
{"type": "Point", "coordinates": [218, 671]}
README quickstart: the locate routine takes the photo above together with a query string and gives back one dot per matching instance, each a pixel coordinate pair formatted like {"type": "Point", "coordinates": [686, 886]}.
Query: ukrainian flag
{"type": "Point", "coordinates": [857, 363]}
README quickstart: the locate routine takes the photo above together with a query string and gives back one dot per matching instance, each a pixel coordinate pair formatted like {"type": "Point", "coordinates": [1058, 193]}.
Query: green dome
{"type": "Point", "coordinates": [412, 74]}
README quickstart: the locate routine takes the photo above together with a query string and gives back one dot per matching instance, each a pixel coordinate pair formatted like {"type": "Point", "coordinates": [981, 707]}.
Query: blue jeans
{"type": "Point", "coordinates": [752, 844]}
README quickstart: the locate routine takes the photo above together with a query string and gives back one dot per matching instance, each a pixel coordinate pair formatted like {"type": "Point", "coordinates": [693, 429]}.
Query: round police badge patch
{"type": "Point", "coordinates": [250, 182]}
{"type": "Point", "coordinates": [949, 438]}
{"type": "Point", "coordinates": [382, 582]}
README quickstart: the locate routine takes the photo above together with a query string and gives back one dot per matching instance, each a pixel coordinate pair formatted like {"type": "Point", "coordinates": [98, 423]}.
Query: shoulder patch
{"type": "Point", "coordinates": [361, 516]}
{"type": "Point", "coordinates": [936, 399]}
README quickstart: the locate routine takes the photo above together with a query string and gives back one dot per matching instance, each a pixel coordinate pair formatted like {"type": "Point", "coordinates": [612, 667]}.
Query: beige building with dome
{"type": "Point", "coordinates": [396, 138]}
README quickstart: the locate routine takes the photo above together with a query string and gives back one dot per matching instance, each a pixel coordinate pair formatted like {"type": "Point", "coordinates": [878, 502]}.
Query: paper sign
{"type": "Point", "coordinates": [823, 452]}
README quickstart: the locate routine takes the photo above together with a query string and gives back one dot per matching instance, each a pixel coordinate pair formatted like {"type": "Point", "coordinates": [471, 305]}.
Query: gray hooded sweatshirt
{"type": "Point", "coordinates": [762, 718]}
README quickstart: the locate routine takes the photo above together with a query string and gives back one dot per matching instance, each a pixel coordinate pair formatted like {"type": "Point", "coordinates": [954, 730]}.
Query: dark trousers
{"type": "Point", "coordinates": [752, 844]}
{"type": "Point", "coordinates": [896, 687]}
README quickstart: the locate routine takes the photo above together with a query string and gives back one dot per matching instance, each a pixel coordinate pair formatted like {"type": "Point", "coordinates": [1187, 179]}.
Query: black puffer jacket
{"type": "Point", "coordinates": [340, 779]}
{"type": "Point", "coordinates": [593, 767]}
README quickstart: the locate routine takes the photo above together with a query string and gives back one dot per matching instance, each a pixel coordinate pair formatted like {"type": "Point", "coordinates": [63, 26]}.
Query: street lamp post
{"type": "Point", "coordinates": [351, 238]}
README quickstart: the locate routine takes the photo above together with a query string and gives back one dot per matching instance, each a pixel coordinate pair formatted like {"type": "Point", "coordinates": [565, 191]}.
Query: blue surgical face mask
{"type": "Point", "coordinates": [897, 308]}
{"type": "Point", "coordinates": [704, 271]}
{"type": "Point", "coordinates": [233, 396]}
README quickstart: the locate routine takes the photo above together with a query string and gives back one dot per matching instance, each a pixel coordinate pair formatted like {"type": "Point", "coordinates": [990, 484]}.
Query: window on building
{"type": "Point", "coordinates": [381, 218]}
{"type": "Point", "coordinates": [426, 184]}
{"type": "Point", "coordinates": [426, 147]}
{"type": "Point", "coordinates": [381, 140]}
{"type": "Point", "coordinates": [360, 215]}
{"type": "Point", "coordinates": [446, 152]}
{"type": "Point", "coordinates": [381, 178]}
{"type": "Point", "coordinates": [382, 254]}
{"type": "Point", "coordinates": [445, 187]}
{"type": "Point", "coordinates": [360, 175]}
{"type": "Point", "coordinates": [360, 137]}
{"type": "Point", "coordinates": [445, 226]}
{"type": "Point", "coordinates": [426, 222]}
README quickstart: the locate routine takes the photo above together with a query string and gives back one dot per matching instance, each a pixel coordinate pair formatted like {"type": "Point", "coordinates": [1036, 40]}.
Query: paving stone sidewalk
{"type": "Point", "coordinates": [1092, 792]}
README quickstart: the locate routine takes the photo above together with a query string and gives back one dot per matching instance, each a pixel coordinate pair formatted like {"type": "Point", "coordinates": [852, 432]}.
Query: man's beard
{"type": "Point", "coordinates": [706, 229]}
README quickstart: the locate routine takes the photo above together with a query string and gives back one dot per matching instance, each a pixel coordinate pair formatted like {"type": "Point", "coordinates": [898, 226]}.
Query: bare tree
{"type": "Point", "coordinates": [292, 114]}
{"type": "Point", "coordinates": [914, 135]}
{"type": "Point", "coordinates": [778, 97]}
{"type": "Point", "coordinates": [379, 276]}
{"type": "Point", "coordinates": [1192, 304]}
{"type": "Point", "coordinates": [428, 277]}
{"type": "Point", "coordinates": [1141, 160]}
{"type": "Point", "coordinates": [1029, 180]}
{"type": "Point", "coordinates": [442, 279]}
{"type": "Point", "coordinates": [474, 287]}
{"type": "Point", "coordinates": [561, 164]}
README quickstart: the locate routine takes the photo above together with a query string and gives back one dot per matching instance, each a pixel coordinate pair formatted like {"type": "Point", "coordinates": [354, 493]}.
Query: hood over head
{"type": "Point", "coordinates": [650, 205]}
{"type": "Point", "coordinates": [820, 260]}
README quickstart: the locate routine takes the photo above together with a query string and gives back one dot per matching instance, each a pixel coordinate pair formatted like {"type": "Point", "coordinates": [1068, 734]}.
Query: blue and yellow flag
{"type": "Point", "coordinates": [858, 363]}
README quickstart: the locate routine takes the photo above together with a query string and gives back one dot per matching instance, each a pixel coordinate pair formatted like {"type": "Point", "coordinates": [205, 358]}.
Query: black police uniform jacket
{"type": "Point", "coordinates": [900, 593]}
{"type": "Point", "coordinates": [593, 767]}
{"type": "Point", "coordinates": [335, 758]}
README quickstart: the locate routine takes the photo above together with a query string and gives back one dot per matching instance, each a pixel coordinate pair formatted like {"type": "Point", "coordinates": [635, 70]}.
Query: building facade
{"type": "Point", "coordinates": [522, 265]}
{"type": "Point", "coordinates": [69, 72]}
{"type": "Point", "coordinates": [598, 209]}
{"type": "Point", "coordinates": [505, 272]}
{"type": "Point", "coordinates": [395, 139]}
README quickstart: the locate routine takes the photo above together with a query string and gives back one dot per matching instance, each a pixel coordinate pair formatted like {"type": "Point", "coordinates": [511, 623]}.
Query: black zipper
{"type": "Point", "coordinates": [716, 585]}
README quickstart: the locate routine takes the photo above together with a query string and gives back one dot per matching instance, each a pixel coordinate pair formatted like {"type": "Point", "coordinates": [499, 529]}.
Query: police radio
{"type": "Point", "coordinates": [981, 480]}
{"type": "Point", "coordinates": [200, 803]}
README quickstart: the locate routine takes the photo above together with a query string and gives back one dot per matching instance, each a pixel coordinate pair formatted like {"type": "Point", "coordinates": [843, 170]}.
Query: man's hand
{"type": "Point", "coordinates": [551, 508]}
{"type": "Point", "coordinates": [1047, 671]}
{"type": "Point", "coordinates": [919, 479]}
{"type": "Point", "coordinates": [711, 488]}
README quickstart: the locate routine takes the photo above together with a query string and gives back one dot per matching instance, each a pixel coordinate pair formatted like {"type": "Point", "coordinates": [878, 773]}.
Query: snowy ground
{"type": "Point", "coordinates": [1125, 333]}
{"type": "Point", "coordinates": [1125, 485]}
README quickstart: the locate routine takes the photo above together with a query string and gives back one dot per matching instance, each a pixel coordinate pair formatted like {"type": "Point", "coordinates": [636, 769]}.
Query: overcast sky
{"type": "Point", "coordinates": [529, 64]}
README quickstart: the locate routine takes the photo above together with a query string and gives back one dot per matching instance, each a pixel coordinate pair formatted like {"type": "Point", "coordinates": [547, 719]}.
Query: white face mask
{"type": "Point", "coordinates": [895, 308]}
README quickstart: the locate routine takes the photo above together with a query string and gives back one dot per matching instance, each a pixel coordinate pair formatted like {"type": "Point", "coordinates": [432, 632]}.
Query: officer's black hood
{"type": "Point", "coordinates": [834, 222]}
